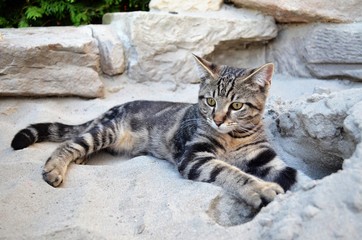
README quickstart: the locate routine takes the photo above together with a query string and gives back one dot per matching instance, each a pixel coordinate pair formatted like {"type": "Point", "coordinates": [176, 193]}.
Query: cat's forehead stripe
{"type": "Point", "coordinates": [236, 72]}
{"type": "Point", "coordinates": [227, 79]}
{"type": "Point", "coordinates": [225, 85]}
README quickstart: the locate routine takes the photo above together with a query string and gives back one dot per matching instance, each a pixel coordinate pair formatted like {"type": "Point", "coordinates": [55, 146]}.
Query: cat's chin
{"type": "Point", "coordinates": [222, 129]}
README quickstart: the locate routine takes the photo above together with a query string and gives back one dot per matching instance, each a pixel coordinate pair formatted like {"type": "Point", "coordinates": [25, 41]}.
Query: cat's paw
{"type": "Point", "coordinates": [53, 172]}
{"type": "Point", "coordinates": [81, 161]}
{"type": "Point", "coordinates": [262, 193]}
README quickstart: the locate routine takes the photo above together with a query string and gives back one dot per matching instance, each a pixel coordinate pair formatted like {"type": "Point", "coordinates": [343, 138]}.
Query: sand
{"type": "Point", "coordinates": [146, 198]}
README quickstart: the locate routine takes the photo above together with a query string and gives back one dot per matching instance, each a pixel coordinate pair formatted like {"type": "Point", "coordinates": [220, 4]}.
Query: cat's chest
{"type": "Point", "coordinates": [232, 152]}
{"type": "Point", "coordinates": [231, 157]}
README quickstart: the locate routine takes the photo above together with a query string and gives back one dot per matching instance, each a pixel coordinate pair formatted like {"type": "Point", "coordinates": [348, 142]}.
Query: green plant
{"type": "Point", "coordinates": [24, 13]}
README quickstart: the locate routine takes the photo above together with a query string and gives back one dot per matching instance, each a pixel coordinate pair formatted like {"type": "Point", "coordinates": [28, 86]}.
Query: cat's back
{"type": "Point", "coordinates": [154, 113]}
{"type": "Point", "coordinates": [154, 125]}
{"type": "Point", "coordinates": [149, 106]}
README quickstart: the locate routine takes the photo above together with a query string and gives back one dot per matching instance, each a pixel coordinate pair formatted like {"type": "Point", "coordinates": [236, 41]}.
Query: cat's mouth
{"type": "Point", "coordinates": [225, 127]}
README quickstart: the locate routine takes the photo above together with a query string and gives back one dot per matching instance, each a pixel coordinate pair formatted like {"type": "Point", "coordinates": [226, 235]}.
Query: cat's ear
{"type": "Point", "coordinates": [263, 75]}
{"type": "Point", "coordinates": [205, 68]}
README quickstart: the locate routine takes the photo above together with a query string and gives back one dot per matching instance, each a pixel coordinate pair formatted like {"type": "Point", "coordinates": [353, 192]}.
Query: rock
{"type": "Point", "coordinates": [304, 214]}
{"type": "Point", "coordinates": [246, 55]}
{"type": "Point", "coordinates": [310, 211]}
{"type": "Point", "coordinates": [110, 50]}
{"type": "Point", "coordinates": [318, 128]}
{"type": "Point", "coordinates": [159, 45]}
{"type": "Point", "coordinates": [334, 51]}
{"type": "Point", "coordinates": [307, 11]}
{"type": "Point", "coordinates": [186, 5]}
{"type": "Point", "coordinates": [287, 51]}
{"type": "Point", "coordinates": [113, 198]}
{"type": "Point", "coordinates": [326, 51]}
{"type": "Point", "coordinates": [48, 64]}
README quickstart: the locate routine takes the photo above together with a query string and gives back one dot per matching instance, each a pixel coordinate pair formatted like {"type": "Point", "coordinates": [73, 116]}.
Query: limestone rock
{"type": "Point", "coordinates": [49, 61]}
{"type": "Point", "coordinates": [246, 55]}
{"type": "Point", "coordinates": [110, 50]}
{"type": "Point", "coordinates": [307, 11]}
{"type": "Point", "coordinates": [186, 5]}
{"type": "Point", "coordinates": [326, 51]}
{"type": "Point", "coordinates": [159, 45]}
{"type": "Point", "coordinates": [318, 128]}
{"type": "Point", "coordinates": [334, 51]}
{"type": "Point", "coordinates": [113, 198]}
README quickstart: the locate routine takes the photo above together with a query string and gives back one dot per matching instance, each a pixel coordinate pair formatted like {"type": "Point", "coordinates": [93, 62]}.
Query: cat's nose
{"type": "Point", "coordinates": [219, 119]}
{"type": "Point", "coordinates": [218, 123]}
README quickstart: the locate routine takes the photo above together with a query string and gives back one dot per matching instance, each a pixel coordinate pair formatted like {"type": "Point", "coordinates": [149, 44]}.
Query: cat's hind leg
{"type": "Point", "coordinates": [97, 138]}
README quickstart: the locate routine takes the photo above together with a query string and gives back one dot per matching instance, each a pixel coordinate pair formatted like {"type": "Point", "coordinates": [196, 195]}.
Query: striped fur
{"type": "Point", "coordinates": [219, 140]}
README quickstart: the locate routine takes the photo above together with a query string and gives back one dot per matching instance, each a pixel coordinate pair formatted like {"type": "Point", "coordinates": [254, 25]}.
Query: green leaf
{"type": "Point", "coordinates": [4, 22]}
{"type": "Point", "coordinates": [26, 13]}
{"type": "Point", "coordinates": [23, 23]}
{"type": "Point", "coordinates": [34, 13]}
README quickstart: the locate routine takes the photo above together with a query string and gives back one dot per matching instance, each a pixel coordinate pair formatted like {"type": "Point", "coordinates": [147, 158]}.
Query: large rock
{"type": "Point", "coordinates": [146, 198]}
{"type": "Point", "coordinates": [246, 55]}
{"type": "Point", "coordinates": [307, 10]}
{"type": "Point", "coordinates": [320, 129]}
{"type": "Point", "coordinates": [110, 50]}
{"type": "Point", "coordinates": [332, 124]}
{"type": "Point", "coordinates": [49, 61]}
{"type": "Point", "coordinates": [326, 51]}
{"type": "Point", "coordinates": [159, 45]}
{"type": "Point", "coordinates": [186, 5]}
{"type": "Point", "coordinates": [334, 51]}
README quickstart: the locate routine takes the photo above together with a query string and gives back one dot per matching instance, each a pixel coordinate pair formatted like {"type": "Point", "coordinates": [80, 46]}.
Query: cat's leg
{"type": "Point", "coordinates": [203, 166]}
{"type": "Point", "coordinates": [97, 138]}
{"type": "Point", "coordinates": [82, 161]}
{"type": "Point", "coordinates": [265, 164]}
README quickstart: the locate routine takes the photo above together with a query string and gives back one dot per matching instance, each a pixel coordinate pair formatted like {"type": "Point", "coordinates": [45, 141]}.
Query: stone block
{"type": "Point", "coordinates": [159, 45]}
{"type": "Point", "coordinates": [186, 5]}
{"type": "Point", "coordinates": [52, 61]}
{"type": "Point", "coordinates": [307, 11]}
{"type": "Point", "coordinates": [328, 51]}
{"type": "Point", "coordinates": [110, 50]}
{"type": "Point", "coordinates": [335, 51]}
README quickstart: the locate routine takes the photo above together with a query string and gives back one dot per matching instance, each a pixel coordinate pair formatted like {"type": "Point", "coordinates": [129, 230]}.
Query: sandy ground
{"type": "Point", "coordinates": [114, 198]}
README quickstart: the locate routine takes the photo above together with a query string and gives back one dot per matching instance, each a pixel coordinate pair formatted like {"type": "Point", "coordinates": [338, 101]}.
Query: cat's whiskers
{"type": "Point", "coordinates": [186, 124]}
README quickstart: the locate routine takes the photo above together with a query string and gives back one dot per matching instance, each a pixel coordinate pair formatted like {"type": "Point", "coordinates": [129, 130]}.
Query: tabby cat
{"type": "Point", "coordinates": [219, 140]}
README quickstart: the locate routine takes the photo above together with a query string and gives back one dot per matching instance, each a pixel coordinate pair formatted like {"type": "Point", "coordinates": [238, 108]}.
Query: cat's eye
{"type": "Point", "coordinates": [237, 106]}
{"type": "Point", "coordinates": [211, 102]}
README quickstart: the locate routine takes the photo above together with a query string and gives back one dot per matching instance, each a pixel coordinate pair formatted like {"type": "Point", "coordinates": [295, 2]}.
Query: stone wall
{"type": "Point", "coordinates": [58, 61]}
{"type": "Point", "coordinates": [157, 45]}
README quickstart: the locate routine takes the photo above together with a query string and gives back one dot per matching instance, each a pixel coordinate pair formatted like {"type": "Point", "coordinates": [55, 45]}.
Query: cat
{"type": "Point", "coordinates": [219, 140]}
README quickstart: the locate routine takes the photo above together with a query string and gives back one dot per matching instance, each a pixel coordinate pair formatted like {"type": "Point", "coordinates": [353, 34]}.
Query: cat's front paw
{"type": "Point", "coordinates": [262, 193]}
{"type": "Point", "coordinates": [53, 172]}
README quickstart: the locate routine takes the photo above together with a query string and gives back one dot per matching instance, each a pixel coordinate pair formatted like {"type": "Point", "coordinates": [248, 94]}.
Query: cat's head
{"type": "Point", "coordinates": [233, 99]}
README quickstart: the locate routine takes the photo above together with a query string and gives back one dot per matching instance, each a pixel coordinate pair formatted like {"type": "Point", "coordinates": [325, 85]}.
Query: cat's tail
{"type": "Point", "coordinates": [52, 132]}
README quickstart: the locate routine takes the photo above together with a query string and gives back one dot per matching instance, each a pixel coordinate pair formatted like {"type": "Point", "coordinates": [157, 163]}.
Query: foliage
{"type": "Point", "coordinates": [25, 13]}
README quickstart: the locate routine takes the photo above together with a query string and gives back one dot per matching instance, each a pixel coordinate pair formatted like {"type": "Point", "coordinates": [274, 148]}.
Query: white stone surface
{"type": "Point", "coordinates": [186, 5]}
{"type": "Point", "coordinates": [145, 198]}
{"type": "Point", "coordinates": [58, 61]}
{"type": "Point", "coordinates": [327, 51]}
{"type": "Point", "coordinates": [334, 51]}
{"type": "Point", "coordinates": [288, 11]}
{"type": "Point", "coordinates": [110, 50]}
{"type": "Point", "coordinates": [319, 130]}
{"type": "Point", "coordinates": [159, 45]}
